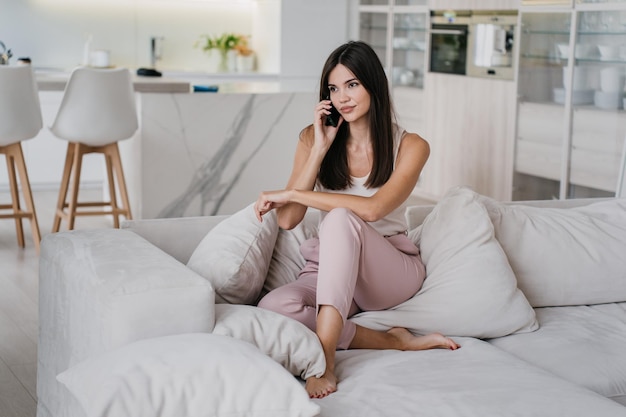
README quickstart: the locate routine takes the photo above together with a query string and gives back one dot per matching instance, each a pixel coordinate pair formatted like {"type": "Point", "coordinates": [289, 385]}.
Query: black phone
{"type": "Point", "coordinates": [333, 118]}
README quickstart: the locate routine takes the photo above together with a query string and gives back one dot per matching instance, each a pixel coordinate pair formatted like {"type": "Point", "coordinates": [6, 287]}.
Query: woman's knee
{"type": "Point", "coordinates": [338, 219]}
{"type": "Point", "coordinates": [287, 300]}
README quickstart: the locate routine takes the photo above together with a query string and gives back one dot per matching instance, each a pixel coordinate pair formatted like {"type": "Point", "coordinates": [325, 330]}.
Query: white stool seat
{"type": "Point", "coordinates": [20, 119]}
{"type": "Point", "coordinates": [97, 111]}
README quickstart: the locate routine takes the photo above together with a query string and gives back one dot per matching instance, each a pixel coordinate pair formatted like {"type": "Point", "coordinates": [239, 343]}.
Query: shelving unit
{"type": "Point", "coordinates": [397, 30]}
{"type": "Point", "coordinates": [571, 125]}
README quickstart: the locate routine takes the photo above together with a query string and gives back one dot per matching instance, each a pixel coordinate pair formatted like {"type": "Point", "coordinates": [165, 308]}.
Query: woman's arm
{"type": "Point", "coordinates": [314, 142]}
{"type": "Point", "coordinates": [412, 157]}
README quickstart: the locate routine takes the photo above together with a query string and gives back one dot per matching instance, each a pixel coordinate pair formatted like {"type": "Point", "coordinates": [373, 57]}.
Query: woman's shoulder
{"type": "Point", "coordinates": [412, 142]}
{"type": "Point", "coordinates": [409, 138]}
{"type": "Point", "coordinates": [307, 135]}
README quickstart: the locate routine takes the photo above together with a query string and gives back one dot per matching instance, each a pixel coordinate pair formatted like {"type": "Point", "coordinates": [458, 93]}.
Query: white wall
{"type": "Point", "coordinates": [52, 32]}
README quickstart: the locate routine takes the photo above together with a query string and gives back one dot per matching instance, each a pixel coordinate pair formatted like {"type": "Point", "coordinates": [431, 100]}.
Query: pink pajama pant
{"type": "Point", "coordinates": [352, 268]}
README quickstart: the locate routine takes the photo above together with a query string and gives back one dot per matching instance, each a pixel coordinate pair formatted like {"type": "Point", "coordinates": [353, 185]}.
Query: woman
{"type": "Point", "coordinates": [359, 174]}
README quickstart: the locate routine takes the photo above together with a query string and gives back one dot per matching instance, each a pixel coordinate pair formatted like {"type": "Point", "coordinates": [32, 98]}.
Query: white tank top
{"type": "Point", "coordinates": [394, 222]}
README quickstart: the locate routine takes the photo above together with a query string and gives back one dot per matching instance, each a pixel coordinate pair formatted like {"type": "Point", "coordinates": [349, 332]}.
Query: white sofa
{"type": "Point", "coordinates": [535, 293]}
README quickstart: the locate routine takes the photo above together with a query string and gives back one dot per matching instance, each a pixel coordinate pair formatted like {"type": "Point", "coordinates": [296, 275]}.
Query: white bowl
{"type": "Point", "coordinates": [608, 100]}
{"type": "Point", "coordinates": [612, 79]}
{"type": "Point", "coordinates": [609, 52]}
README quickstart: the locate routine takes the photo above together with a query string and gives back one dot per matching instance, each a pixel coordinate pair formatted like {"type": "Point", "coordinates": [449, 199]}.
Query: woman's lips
{"type": "Point", "coordinates": [346, 109]}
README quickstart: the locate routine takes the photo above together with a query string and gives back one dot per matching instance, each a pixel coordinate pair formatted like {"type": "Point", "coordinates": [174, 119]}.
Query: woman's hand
{"type": "Point", "coordinates": [324, 135]}
{"type": "Point", "coordinates": [269, 200]}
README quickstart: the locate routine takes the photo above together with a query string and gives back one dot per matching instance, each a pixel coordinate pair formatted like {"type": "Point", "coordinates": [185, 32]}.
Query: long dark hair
{"type": "Point", "coordinates": [363, 62]}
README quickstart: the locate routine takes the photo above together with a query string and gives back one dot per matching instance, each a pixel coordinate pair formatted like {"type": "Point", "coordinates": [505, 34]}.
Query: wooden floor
{"type": "Point", "coordinates": [18, 302]}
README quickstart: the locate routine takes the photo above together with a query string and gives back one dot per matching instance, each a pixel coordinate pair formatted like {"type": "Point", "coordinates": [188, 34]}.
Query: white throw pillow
{"type": "Point", "coordinates": [285, 340]}
{"type": "Point", "coordinates": [235, 256]}
{"type": "Point", "coordinates": [561, 257]}
{"type": "Point", "coordinates": [470, 289]}
{"type": "Point", "coordinates": [188, 375]}
{"type": "Point", "coordinates": [287, 261]}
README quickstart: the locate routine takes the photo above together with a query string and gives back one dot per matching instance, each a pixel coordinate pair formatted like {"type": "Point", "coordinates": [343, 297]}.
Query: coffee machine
{"type": "Point", "coordinates": [491, 44]}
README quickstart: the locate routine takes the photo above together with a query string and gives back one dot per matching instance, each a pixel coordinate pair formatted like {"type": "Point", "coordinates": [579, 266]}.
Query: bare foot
{"type": "Point", "coordinates": [407, 341]}
{"type": "Point", "coordinates": [322, 386]}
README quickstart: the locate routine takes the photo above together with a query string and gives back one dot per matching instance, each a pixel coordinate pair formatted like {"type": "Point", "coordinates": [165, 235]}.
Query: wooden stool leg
{"type": "Point", "coordinates": [76, 167]}
{"type": "Point", "coordinates": [15, 196]}
{"type": "Point", "coordinates": [65, 182]}
{"type": "Point", "coordinates": [28, 195]}
{"type": "Point", "coordinates": [112, 197]}
{"type": "Point", "coordinates": [121, 182]}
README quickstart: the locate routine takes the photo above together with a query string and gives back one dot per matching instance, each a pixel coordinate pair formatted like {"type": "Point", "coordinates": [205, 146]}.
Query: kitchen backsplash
{"type": "Point", "coordinates": [53, 32]}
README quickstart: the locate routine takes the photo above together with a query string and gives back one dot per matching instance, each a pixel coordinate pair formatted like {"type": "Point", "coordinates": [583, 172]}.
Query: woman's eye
{"type": "Point", "coordinates": [353, 84]}
{"type": "Point", "coordinates": [332, 89]}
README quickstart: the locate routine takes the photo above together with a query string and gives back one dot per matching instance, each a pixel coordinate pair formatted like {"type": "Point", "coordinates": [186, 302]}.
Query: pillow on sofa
{"type": "Point", "coordinates": [285, 340]}
{"type": "Point", "coordinates": [561, 257]}
{"type": "Point", "coordinates": [287, 261]}
{"type": "Point", "coordinates": [470, 289]}
{"type": "Point", "coordinates": [194, 374]}
{"type": "Point", "coordinates": [235, 255]}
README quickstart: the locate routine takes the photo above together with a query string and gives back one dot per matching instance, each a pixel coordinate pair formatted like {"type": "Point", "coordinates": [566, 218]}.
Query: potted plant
{"type": "Point", "coordinates": [225, 46]}
{"type": "Point", "coordinates": [245, 55]}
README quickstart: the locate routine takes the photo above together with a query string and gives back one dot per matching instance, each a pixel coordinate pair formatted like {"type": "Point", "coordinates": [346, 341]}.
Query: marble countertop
{"type": "Point", "coordinates": [56, 81]}
{"type": "Point", "coordinates": [51, 79]}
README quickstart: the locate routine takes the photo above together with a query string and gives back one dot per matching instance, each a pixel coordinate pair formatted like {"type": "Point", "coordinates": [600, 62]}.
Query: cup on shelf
{"type": "Point", "coordinates": [612, 79]}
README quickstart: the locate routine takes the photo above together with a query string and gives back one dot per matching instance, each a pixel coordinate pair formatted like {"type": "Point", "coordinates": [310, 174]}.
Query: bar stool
{"type": "Point", "coordinates": [97, 111]}
{"type": "Point", "coordinates": [20, 119]}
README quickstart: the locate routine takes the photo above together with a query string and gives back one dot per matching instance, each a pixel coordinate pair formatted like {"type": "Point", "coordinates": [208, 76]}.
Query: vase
{"type": "Point", "coordinates": [214, 60]}
{"type": "Point", "coordinates": [245, 63]}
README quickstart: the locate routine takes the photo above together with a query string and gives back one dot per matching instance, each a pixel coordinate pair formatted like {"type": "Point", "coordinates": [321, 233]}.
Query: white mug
{"type": "Point", "coordinates": [100, 58]}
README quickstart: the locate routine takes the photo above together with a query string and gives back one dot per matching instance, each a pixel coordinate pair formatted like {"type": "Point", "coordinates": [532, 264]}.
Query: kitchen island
{"type": "Point", "coordinates": [194, 153]}
{"type": "Point", "coordinates": [204, 154]}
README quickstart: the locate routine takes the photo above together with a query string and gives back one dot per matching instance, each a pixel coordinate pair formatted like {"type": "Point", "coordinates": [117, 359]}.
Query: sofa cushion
{"type": "Point", "coordinates": [477, 380]}
{"type": "Point", "coordinates": [582, 344]}
{"type": "Point", "coordinates": [287, 261]}
{"type": "Point", "coordinates": [103, 289]}
{"type": "Point", "coordinates": [565, 256]}
{"type": "Point", "coordinates": [283, 339]}
{"type": "Point", "coordinates": [196, 374]}
{"type": "Point", "coordinates": [470, 289]}
{"type": "Point", "coordinates": [235, 255]}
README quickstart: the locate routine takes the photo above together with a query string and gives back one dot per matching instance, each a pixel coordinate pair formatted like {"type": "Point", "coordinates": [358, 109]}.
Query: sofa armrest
{"type": "Point", "coordinates": [102, 289]}
{"type": "Point", "coordinates": [176, 236]}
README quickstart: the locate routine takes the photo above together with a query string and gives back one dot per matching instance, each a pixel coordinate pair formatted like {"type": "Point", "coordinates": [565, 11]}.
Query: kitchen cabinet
{"type": "Point", "coordinates": [571, 123]}
{"type": "Point", "coordinates": [397, 29]}
{"type": "Point", "coordinates": [474, 4]}
{"type": "Point", "coordinates": [397, 32]}
{"type": "Point", "coordinates": [471, 125]}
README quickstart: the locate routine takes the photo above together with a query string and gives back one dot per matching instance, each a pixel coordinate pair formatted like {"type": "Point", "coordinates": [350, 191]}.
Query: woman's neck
{"type": "Point", "coordinates": [358, 132]}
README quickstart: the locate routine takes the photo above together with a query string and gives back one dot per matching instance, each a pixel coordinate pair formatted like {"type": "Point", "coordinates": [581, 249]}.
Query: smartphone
{"type": "Point", "coordinates": [333, 118]}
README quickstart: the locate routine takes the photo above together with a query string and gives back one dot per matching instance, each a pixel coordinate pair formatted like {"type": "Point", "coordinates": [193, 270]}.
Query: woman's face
{"type": "Point", "coordinates": [348, 94]}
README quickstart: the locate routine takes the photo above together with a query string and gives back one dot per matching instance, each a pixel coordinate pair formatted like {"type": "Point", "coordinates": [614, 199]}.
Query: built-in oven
{"type": "Point", "coordinates": [449, 33]}
{"type": "Point", "coordinates": [475, 43]}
